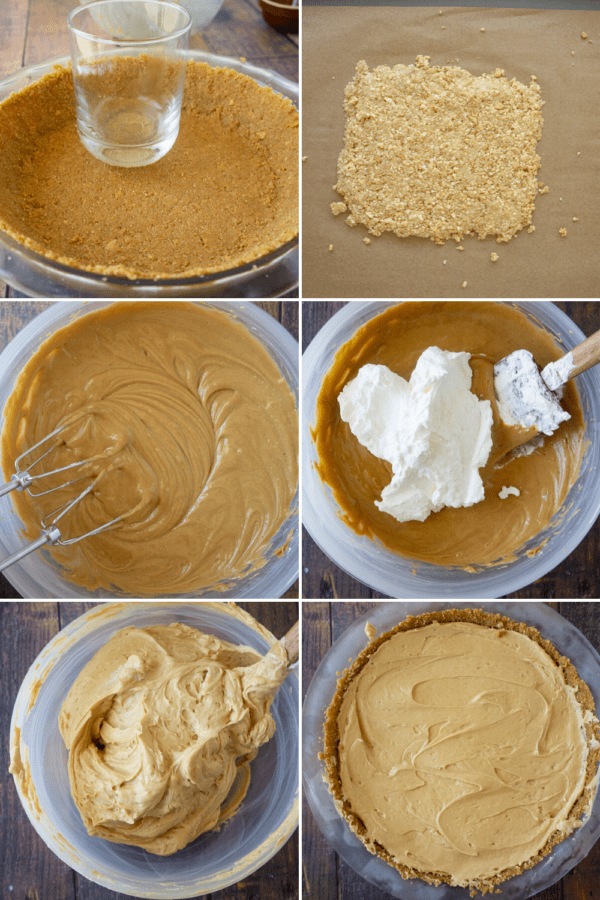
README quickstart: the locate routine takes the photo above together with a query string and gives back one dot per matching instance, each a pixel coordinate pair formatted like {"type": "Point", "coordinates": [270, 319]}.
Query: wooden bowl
{"type": "Point", "coordinates": [282, 16]}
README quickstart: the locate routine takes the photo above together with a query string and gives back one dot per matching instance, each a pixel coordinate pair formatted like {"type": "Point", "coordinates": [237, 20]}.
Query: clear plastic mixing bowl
{"type": "Point", "coordinates": [385, 571]}
{"type": "Point", "coordinates": [265, 820]}
{"type": "Point", "coordinates": [38, 575]}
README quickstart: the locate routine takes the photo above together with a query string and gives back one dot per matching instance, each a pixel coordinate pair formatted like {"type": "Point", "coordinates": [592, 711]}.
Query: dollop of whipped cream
{"type": "Point", "coordinates": [432, 429]}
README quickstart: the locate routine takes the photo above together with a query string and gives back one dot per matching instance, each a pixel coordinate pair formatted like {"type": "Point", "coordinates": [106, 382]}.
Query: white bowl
{"type": "Point", "coordinates": [265, 820]}
{"type": "Point", "coordinates": [391, 574]}
{"type": "Point", "coordinates": [565, 637]}
{"type": "Point", "coordinates": [38, 575]}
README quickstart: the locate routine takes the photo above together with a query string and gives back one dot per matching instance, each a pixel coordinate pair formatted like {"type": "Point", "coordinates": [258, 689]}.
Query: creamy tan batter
{"type": "Point", "coordinates": [161, 725]}
{"type": "Point", "coordinates": [195, 428]}
{"type": "Point", "coordinates": [460, 749]}
{"type": "Point", "coordinates": [488, 532]}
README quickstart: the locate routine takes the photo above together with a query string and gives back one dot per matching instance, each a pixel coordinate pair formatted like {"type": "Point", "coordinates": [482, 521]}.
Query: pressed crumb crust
{"type": "Point", "coordinates": [224, 196]}
{"type": "Point", "coordinates": [331, 758]}
{"type": "Point", "coordinates": [438, 153]}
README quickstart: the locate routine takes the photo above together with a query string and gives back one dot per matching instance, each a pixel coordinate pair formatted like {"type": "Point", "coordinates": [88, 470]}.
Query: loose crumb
{"type": "Point", "coordinates": [583, 35]}
{"type": "Point", "coordinates": [445, 261]}
{"type": "Point", "coordinates": [575, 219]}
{"type": "Point", "coordinates": [443, 27]}
{"type": "Point", "coordinates": [504, 493]}
{"type": "Point", "coordinates": [494, 257]}
{"type": "Point", "coordinates": [242, 59]}
{"type": "Point", "coordinates": [366, 240]}
{"type": "Point", "coordinates": [562, 232]}
{"type": "Point", "coordinates": [483, 29]}
{"type": "Point", "coordinates": [330, 247]}
{"type": "Point", "coordinates": [464, 284]}
{"type": "Point", "coordinates": [337, 208]}
{"type": "Point", "coordinates": [572, 53]}
{"type": "Point", "coordinates": [370, 631]}
{"type": "Point", "coordinates": [304, 158]}
{"type": "Point", "coordinates": [460, 248]}
{"type": "Point", "coordinates": [530, 229]}
{"type": "Point", "coordinates": [544, 190]}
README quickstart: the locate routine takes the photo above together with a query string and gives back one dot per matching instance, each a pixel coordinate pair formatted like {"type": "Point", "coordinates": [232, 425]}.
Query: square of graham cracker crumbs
{"type": "Point", "coordinates": [437, 152]}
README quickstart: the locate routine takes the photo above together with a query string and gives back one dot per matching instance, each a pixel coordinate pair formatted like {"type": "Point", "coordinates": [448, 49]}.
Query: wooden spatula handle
{"type": "Point", "coordinates": [291, 641]}
{"type": "Point", "coordinates": [586, 354]}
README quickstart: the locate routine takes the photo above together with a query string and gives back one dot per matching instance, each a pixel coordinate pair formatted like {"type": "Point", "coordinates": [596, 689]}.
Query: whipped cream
{"type": "Point", "coordinates": [556, 373]}
{"type": "Point", "coordinates": [507, 491]}
{"type": "Point", "coordinates": [433, 430]}
{"type": "Point", "coordinates": [524, 399]}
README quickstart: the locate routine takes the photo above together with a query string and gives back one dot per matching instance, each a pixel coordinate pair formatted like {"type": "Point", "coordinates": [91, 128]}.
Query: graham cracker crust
{"type": "Point", "coordinates": [331, 759]}
{"type": "Point", "coordinates": [226, 195]}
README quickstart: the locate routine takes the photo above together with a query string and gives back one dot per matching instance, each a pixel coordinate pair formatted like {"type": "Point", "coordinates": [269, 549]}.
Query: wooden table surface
{"type": "Point", "coordinates": [15, 314]}
{"type": "Point", "coordinates": [578, 576]}
{"type": "Point", "coordinates": [325, 875]}
{"type": "Point", "coordinates": [28, 869]}
{"type": "Point", "coordinates": [32, 31]}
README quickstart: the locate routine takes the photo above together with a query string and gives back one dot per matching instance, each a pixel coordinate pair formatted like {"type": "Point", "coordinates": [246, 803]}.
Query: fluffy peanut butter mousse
{"type": "Point", "coordinates": [461, 747]}
{"type": "Point", "coordinates": [161, 726]}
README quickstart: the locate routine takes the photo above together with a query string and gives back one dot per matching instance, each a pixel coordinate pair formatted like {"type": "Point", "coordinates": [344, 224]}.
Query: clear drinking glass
{"type": "Point", "coordinates": [129, 59]}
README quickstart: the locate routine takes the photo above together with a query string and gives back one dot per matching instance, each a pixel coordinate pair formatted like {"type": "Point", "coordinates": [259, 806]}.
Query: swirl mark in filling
{"type": "Point", "coordinates": [462, 750]}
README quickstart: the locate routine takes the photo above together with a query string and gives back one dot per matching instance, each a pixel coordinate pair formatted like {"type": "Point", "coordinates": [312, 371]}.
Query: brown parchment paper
{"type": "Point", "coordinates": [523, 42]}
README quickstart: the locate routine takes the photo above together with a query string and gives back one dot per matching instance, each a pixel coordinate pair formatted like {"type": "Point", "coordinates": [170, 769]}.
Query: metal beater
{"type": "Point", "coordinates": [23, 479]}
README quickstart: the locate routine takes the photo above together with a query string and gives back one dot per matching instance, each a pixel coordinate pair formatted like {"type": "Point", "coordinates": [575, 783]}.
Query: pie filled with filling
{"type": "Point", "coordinates": [461, 747]}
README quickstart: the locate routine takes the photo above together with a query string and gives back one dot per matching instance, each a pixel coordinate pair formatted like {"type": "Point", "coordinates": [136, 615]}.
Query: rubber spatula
{"type": "Point", "coordinates": [530, 398]}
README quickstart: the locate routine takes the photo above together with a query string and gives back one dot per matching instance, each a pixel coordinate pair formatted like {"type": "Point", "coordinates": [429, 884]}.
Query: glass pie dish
{"type": "Point", "coordinates": [567, 639]}
{"type": "Point", "coordinates": [272, 275]}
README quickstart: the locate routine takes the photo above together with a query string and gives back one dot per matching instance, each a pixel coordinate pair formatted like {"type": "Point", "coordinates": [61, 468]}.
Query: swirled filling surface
{"type": "Point", "coordinates": [461, 750]}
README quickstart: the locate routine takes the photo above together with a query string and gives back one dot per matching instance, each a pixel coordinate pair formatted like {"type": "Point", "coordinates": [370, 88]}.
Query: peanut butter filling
{"type": "Point", "coordinates": [193, 430]}
{"type": "Point", "coordinates": [493, 530]}
{"type": "Point", "coordinates": [224, 196]}
{"type": "Point", "coordinates": [461, 751]}
{"type": "Point", "coordinates": [161, 726]}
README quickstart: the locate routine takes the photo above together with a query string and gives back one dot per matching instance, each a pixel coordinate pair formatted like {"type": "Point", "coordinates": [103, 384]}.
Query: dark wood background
{"type": "Point", "coordinates": [325, 875]}
{"type": "Point", "coordinates": [577, 576]}
{"type": "Point", "coordinates": [26, 863]}
{"type": "Point", "coordinates": [15, 314]}
{"type": "Point", "coordinates": [32, 31]}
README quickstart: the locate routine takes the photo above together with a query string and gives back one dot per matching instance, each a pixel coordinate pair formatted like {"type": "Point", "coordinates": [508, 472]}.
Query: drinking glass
{"type": "Point", "coordinates": [129, 61]}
